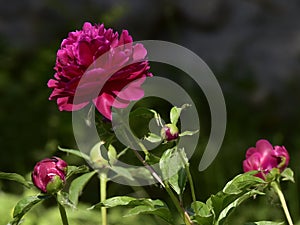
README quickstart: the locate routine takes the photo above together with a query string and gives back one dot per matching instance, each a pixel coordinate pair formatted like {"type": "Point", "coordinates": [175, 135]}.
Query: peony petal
{"type": "Point", "coordinates": [133, 90]}
{"type": "Point", "coordinates": [84, 53]}
{"type": "Point", "coordinates": [65, 104]}
{"type": "Point", "coordinates": [139, 52]}
{"type": "Point", "coordinates": [125, 38]}
{"type": "Point", "coordinates": [103, 104]}
{"type": "Point", "coordinates": [264, 146]}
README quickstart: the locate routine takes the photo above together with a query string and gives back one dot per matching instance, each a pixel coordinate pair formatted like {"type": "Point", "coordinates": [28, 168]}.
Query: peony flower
{"type": "Point", "coordinates": [113, 80]}
{"type": "Point", "coordinates": [264, 158]}
{"type": "Point", "coordinates": [169, 132]}
{"type": "Point", "coordinates": [49, 175]}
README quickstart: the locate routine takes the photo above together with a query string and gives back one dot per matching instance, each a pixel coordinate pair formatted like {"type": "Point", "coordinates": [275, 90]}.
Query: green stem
{"type": "Point", "coordinates": [186, 217]}
{"type": "Point", "coordinates": [103, 185]}
{"type": "Point", "coordinates": [189, 176]}
{"type": "Point", "coordinates": [63, 213]}
{"type": "Point", "coordinates": [278, 190]}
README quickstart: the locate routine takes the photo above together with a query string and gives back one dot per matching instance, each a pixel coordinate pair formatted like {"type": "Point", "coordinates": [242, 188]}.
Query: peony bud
{"type": "Point", "coordinates": [49, 175]}
{"type": "Point", "coordinates": [169, 132]}
{"type": "Point", "coordinates": [264, 158]}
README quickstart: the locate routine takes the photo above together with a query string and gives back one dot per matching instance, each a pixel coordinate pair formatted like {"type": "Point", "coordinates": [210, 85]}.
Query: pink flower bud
{"type": "Point", "coordinates": [169, 132]}
{"type": "Point", "coordinates": [264, 158]}
{"type": "Point", "coordinates": [49, 175]}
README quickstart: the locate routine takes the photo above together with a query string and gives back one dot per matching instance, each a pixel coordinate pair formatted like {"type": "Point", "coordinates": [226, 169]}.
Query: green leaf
{"type": "Point", "coordinates": [201, 209]}
{"type": "Point", "coordinates": [77, 186]}
{"type": "Point", "coordinates": [153, 138]}
{"type": "Point", "coordinates": [154, 207]}
{"type": "Point", "coordinates": [24, 205]}
{"type": "Point", "coordinates": [188, 133]}
{"type": "Point", "coordinates": [288, 175]}
{"type": "Point", "coordinates": [242, 182]}
{"type": "Point", "coordinates": [119, 201]}
{"type": "Point", "coordinates": [141, 206]}
{"type": "Point", "coordinates": [225, 212]}
{"type": "Point", "coordinates": [112, 154]}
{"type": "Point", "coordinates": [151, 159]}
{"type": "Point", "coordinates": [77, 169]}
{"type": "Point", "coordinates": [75, 152]}
{"type": "Point", "coordinates": [142, 112]}
{"type": "Point", "coordinates": [14, 177]}
{"type": "Point", "coordinates": [175, 113]}
{"type": "Point", "coordinates": [264, 223]}
{"type": "Point", "coordinates": [157, 118]}
{"type": "Point", "coordinates": [63, 199]}
{"type": "Point", "coordinates": [121, 171]}
{"type": "Point", "coordinates": [172, 165]}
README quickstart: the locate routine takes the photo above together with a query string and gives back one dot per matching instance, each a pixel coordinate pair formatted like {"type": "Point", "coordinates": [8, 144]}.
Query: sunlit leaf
{"type": "Point", "coordinates": [75, 152]}
{"type": "Point", "coordinates": [172, 164]}
{"type": "Point", "coordinates": [241, 182]}
{"type": "Point", "coordinates": [188, 133]}
{"type": "Point", "coordinates": [288, 175]}
{"type": "Point", "coordinates": [24, 205]}
{"type": "Point", "coordinates": [153, 138]}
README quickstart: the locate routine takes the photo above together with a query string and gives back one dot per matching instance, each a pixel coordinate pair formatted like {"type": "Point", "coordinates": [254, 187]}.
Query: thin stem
{"type": "Point", "coordinates": [278, 190]}
{"type": "Point", "coordinates": [150, 168]}
{"type": "Point", "coordinates": [189, 176]}
{"type": "Point", "coordinates": [185, 215]}
{"type": "Point", "coordinates": [63, 213]}
{"type": "Point", "coordinates": [103, 185]}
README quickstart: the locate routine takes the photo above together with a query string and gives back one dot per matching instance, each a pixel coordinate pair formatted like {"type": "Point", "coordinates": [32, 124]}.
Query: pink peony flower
{"type": "Point", "coordinates": [264, 158]}
{"type": "Point", "coordinates": [49, 175]}
{"type": "Point", "coordinates": [113, 80]}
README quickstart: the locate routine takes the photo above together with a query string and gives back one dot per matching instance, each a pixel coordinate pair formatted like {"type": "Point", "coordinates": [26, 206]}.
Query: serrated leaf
{"type": "Point", "coordinates": [77, 186]}
{"type": "Point", "coordinates": [14, 177]}
{"type": "Point", "coordinates": [24, 205]}
{"type": "Point", "coordinates": [288, 175]}
{"type": "Point", "coordinates": [241, 182]}
{"type": "Point", "coordinates": [75, 152]}
{"type": "Point", "coordinates": [264, 223]}
{"type": "Point", "coordinates": [154, 207]}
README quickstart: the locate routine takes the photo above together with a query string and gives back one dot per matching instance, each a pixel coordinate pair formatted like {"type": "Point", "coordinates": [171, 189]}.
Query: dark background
{"type": "Point", "coordinates": [252, 46]}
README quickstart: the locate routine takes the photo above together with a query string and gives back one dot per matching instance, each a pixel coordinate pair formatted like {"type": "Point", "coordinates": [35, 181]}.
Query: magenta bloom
{"type": "Point", "coordinates": [264, 158]}
{"type": "Point", "coordinates": [113, 80]}
{"type": "Point", "coordinates": [49, 171]}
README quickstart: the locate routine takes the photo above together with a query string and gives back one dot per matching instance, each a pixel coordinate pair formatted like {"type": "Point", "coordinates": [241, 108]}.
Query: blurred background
{"type": "Point", "coordinates": [252, 46]}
